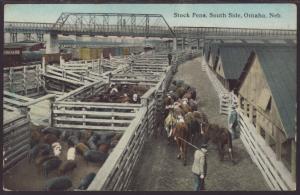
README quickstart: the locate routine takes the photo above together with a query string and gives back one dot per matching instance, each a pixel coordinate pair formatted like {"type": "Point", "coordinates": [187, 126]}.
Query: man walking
{"type": "Point", "coordinates": [199, 167]}
{"type": "Point", "coordinates": [233, 122]}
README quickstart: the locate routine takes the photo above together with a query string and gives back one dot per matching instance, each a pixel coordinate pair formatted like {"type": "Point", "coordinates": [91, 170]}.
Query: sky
{"type": "Point", "coordinates": [286, 13]}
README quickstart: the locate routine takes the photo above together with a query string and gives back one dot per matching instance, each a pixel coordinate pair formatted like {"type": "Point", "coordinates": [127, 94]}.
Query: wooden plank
{"type": "Point", "coordinates": [14, 102]}
{"type": "Point", "coordinates": [96, 127]}
{"type": "Point", "coordinates": [79, 112]}
{"type": "Point", "coordinates": [24, 98]}
{"type": "Point", "coordinates": [10, 108]}
{"type": "Point", "coordinates": [98, 105]}
{"type": "Point", "coordinates": [21, 126]}
{"type": "Point", "coordinates": [63, 79]}
{"type": "Point", "coordinates": [116, 121]}
{"type": "Point", "coordinates": [16, 159]}
{"type": "Point", "coordinates": [78, 90]}
{"type": "Point", "coordinates": [45, 97]}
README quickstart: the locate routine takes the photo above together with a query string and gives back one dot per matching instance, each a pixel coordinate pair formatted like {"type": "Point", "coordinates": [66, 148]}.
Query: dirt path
{"type": "Point", "coordinates": [159, 170]}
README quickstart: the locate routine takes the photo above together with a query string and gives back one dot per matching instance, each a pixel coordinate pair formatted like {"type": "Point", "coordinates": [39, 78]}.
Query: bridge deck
{"type": "Point", "coordinates": [159, 170]}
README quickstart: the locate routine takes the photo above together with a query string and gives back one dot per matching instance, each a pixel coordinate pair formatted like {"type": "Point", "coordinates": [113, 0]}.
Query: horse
{"type": "Point", "coordinates": [184, 106]}
{"type": "Point", "coordinates": [192, 124]}
{"type": "Point", "coordinates": [170, 123]}
{"type": "Point", "coordinates": [221, 137]}
{"type": "Point", "coordinates": [181, 133]}
{"type": "Point", "coordinates": [202, 119]}
{"type": "Point", "coordinates": [193, 104]}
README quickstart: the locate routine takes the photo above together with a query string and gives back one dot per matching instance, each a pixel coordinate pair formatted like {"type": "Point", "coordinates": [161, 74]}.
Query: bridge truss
{"type": "Point", "coordinates": [138, 25]}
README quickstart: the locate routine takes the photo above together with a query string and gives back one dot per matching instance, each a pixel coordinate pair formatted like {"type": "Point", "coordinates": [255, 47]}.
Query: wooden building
{"type": "Point", "coordinates": [12, 55]}
{"type": "Point", "coordinates": [267, 96]}
{"type": "Point", "coordinates": [213, 53]}
{"type": "Point", "coordinates": [230, 62]}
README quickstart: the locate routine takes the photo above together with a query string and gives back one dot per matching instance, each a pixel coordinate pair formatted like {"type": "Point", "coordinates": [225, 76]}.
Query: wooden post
{"type": "Point", "coordinates": [278, 144]}
{"type": "Point", "coordinates": [51, 117]}
{"type": "Point", "coordinates": [293, 159]}
{"type": "Point", "coordinates": [61, 61]}
{"type": "Point", "coordinates": [11, 72]}
{"type": "Point", "coordinates": [251, 112]}
{"type": "Point", "coordinates": [83, 116]}
{"type": "Point", "coordinates": [24, 80]}
{"type": "Point", "coordinates": [43, 65]}
{"type": "Point", "coordinates": [267, 138]}
{"type": "Point", "coordinates": [37, 78]}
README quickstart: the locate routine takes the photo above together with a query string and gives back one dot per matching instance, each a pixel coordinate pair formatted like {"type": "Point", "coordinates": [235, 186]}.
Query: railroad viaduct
{"type": "Point", "coordinates": [131, 25]}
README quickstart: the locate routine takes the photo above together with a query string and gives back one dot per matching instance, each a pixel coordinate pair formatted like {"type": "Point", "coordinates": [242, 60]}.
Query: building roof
{"type": "Point", "coordinates": [234, 57]}
{"type": "Point", "coordinates": [279, 66]}
{"type": "Point", "coordinates": [21, 44]}
{"type": "Point", "coordinates": [8, 46]}
{"type": "Point", "coordinates": [214, 51]}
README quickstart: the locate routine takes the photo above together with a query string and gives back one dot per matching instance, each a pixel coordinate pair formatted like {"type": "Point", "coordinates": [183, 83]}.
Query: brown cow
{"type": "Point", "coordinates": [49, 139]}
{"type": "Point", "coordinates": [81, 148]}
{"type": "Point", "coordinates": [104, 148]}
{"type": "Point", "coordinates": [221, 137]}
{"type": "Point", "coordinates": [68, 166]}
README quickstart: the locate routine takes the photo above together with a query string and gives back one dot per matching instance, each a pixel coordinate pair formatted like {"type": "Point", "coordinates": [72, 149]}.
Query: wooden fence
{"type": "Point", "coordinates": [24, 80]}
{"type": "Point", "coordinates": [137, 121]}
{"type": "Point", "coordinates": [226, 98]}
{"type": "Point", "coordinates": [95, 65]}
{"type": "Point", "coordinates": [275, 173]}
{"type": "Point", "coordinates": [16, 135]}
{"type": "Point", "coordinates": [116, 172]}
{"type": "Point", "coordinates": [94, 116]}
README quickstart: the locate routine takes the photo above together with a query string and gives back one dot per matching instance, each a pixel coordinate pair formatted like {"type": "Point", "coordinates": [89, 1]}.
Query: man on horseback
{"type": "Point", "coordinates": [199, 167]}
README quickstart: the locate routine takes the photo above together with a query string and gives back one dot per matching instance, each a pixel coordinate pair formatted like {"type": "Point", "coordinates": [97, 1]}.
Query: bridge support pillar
{"type": "Point", "coordinates": [52, 45]}
{"type": "Point", "coordinates": [40, 37]}
{"type": "Point", "coordinates": [174, 44]}
{"type": "Point", "coordinates": [13, 37]}
{"type": "Point", "coordinates": [27, 36]}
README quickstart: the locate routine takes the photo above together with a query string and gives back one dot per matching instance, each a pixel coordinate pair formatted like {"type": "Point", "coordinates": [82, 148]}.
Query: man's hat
{"type": "Point", "coordinates": [204, 146]}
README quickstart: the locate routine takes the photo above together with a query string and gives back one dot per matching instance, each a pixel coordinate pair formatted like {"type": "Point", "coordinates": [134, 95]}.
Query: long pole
{"type": "Point", "coordinates": [189, 143]}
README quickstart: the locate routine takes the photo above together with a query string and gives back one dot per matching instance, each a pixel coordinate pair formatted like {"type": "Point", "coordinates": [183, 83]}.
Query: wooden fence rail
{"type": "Point", "coordinates": [16, 136]}
{"type": "Point", "coordinates": [275, 173]}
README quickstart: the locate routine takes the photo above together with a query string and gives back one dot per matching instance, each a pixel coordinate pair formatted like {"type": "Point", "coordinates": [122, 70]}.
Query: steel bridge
{"type": "Point", "coordinates": [137, 25]}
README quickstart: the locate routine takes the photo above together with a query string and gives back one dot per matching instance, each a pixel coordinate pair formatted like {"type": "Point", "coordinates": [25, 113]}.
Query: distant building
{"type": "Point", "coordinates": [12, 55]}
{"type": "Point", "coordinates": [26, 51]}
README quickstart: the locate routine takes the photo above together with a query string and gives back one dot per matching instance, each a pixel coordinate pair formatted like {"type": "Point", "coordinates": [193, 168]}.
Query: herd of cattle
{"type": "Point", "coordinates": [46, 152]}
{"type": "Point", "coordinates": [182, 121]}
{"type": "Point", "coordinates": [120, 93]}
{"type": "Point", "coordinates": [185, 123]}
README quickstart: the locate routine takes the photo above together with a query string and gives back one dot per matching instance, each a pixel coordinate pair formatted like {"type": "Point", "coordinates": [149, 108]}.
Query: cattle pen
{"type": "Point", "coordinates": [68, 110]}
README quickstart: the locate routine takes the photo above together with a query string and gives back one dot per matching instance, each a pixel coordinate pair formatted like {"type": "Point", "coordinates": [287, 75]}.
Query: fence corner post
{"type": "Point", "coordinates": [51, 102]}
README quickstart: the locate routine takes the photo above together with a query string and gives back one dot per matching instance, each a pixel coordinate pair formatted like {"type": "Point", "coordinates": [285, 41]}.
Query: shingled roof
{"type": "Point", "coordinates": [279, 66]}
